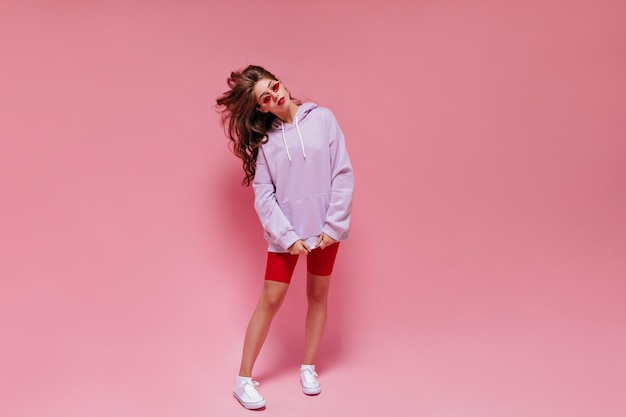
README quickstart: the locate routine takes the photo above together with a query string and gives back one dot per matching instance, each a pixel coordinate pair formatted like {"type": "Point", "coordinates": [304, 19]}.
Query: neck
{"type": "Point", "coordinates": [289, 115]}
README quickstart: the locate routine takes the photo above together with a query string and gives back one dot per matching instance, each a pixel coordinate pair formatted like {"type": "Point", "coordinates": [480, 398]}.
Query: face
{"type": "Point", "coordinates": [271, 96]}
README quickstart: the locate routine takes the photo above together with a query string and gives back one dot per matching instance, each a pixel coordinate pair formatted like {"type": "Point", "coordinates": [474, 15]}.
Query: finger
{"type": "Point", "coordinates": [328, 242]}
{"type": "Point", "coordinates": [306, 247]}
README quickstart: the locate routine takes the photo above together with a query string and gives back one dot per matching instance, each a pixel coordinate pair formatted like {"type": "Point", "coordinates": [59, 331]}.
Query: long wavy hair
{"type": "Point", "coordinates": [244, 125]}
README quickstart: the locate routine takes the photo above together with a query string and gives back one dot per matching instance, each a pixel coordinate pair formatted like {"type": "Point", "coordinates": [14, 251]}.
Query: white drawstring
{"type": "Point", "coordinates": [282, 128]}
{"type": "Point", "coordinates": [300, 136]}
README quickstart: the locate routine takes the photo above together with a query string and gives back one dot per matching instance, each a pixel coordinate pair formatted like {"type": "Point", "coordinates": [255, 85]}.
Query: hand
{"type": "Point", "coordinates": [299, 248]}
{"type": "Point", "coordinates": [324, 241]}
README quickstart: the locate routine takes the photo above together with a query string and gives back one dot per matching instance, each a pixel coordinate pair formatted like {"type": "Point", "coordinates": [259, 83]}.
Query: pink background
{"type": "Point", "coordinates": [485, 274]}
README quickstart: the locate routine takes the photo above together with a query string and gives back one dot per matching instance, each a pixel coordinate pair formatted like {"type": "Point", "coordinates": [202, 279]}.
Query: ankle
{"type": "Point", "coordinates": [241, 379]}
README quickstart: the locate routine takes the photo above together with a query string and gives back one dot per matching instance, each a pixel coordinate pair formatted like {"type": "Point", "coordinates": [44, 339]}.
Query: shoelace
{"type": "Point", "coordinates": [309, 376]}
{"type": "Point", "coordinates": [249, 389]}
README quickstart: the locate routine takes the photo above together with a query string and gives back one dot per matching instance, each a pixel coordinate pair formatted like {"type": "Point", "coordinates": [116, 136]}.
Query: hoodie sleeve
{"type": "Point", "coordinates": [278, 229]}
{"type": "Point", "coordinates": [342, 184]}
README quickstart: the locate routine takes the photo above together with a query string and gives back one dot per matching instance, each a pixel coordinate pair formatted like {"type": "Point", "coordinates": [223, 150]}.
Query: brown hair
{"type": "Point", "coordinates": [243, 124]}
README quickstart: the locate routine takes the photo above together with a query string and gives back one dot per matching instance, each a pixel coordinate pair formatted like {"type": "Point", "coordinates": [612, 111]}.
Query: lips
{"type": "Point", "coordinates": [281, 101]}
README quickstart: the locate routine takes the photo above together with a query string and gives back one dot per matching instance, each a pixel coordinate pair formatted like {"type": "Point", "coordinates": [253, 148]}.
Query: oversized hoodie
{"type": "Point", "coordinates": [303, 182]}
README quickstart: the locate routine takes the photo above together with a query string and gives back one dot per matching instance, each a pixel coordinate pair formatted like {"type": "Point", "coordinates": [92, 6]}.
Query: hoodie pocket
{"type": "Point", "coordinates": [307, 216]}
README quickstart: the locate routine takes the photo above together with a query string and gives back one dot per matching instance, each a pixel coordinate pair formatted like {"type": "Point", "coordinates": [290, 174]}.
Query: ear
{"type": "Point", "coordinates": [260, 109]}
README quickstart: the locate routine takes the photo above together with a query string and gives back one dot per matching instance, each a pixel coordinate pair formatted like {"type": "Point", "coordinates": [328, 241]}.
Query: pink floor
{"type": "Point", "coordinates": [434, 352]}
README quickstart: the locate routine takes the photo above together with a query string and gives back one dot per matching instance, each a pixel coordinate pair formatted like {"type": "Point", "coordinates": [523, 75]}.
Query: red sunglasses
{"type": "Point", "coordinates": [275, 88]}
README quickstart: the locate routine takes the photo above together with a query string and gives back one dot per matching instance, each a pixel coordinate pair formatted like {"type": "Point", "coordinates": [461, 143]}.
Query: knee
{"type": "Point", "coordinates": [272, 302]}
{"type": "Point", "coordinates": [317, 296]}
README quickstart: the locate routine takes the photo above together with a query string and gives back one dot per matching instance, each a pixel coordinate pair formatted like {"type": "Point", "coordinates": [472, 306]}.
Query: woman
{"type": "Point", "coordinates": [295, 157]}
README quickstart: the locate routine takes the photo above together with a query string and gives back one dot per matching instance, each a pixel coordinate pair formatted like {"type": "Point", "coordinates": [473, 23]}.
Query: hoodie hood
{"type": "Point", "coordinates": [301, 114]}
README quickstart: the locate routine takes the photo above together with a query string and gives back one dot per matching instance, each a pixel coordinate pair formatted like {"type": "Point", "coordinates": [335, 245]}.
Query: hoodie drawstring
{"type": "Point", "coordinates": [282, 128]}
{"type": "Point", "coordinates": [300, 136]}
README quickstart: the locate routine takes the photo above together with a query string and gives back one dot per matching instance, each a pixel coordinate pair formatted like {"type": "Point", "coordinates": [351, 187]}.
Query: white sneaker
{"type": "Point", "coordinates": [308, 377]}
{"type": "Point", "coordinates": [245, 391]}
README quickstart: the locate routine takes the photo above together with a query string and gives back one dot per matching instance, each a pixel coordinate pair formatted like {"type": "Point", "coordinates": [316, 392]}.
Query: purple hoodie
{"type": "Point", "coordinates": [303, 182]}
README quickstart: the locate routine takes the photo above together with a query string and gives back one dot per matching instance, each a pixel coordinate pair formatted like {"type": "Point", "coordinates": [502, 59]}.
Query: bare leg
{"type": "Point", "coordinates": [317, 296]}
{"type": "Point", "coordinates": [270, 301]}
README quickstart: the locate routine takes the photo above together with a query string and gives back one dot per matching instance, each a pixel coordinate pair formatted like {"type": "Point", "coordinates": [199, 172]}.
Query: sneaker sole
{"type": "Point", "coordinates": [312, 391]}
{"type": "Point", "coordinates": [250, 406]}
